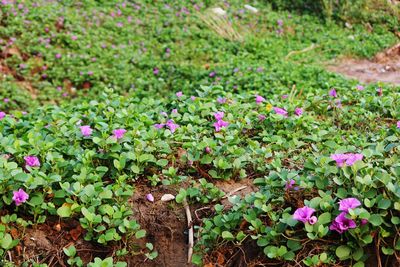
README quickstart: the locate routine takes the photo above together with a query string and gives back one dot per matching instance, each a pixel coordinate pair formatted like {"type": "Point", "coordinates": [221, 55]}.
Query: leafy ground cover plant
{"type": "Point", "coordinates": [193, 105]}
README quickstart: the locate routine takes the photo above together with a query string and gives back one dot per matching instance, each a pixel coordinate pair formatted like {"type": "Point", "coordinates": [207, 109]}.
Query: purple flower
{"type": "Point", "coordinates": [6, 100]}
{"type": "Point", "coordinates": [2, 115]}
{"type": "Point", "coordinates": [338, 103]}
{"type": "Point", "coordinates": [179, 94]}
{"type": "Point", "coordinates": [220, 124]}
{"type": "Point", "coordinates": [285, 96]}
{"type": "Point", "coordinates": [221, 100]}
{"type": "Point", "coordinates": [259, 99]}
{"type": "Point", "coordinates": [332, 92]}
{"type": "Point", "coordinates": [290, 184]}
{"type": "Point", "coordinates": [279, 22]}
{"type": "Point", "coordinates": [150, 197]}
{"type": "Point", "coordinates": [219, 115]}
{"type": "Point", "coordinates": [159, 125]}
{"type": "Point", "coordinates": [20, 197]}
{"type": "Point", "coordinates": [175, 111]}
{"type": "Point", "coordinates": [349, 203]}
{"type": "Point", "coordinates": [58, 55]}
{"type": "Point", "coordinates": [172, 126]}
{"type": "Point", "coordinates": [208, 150]}
{"type": "Point", "coordinates": [32, 161]}
{"type": "Point", "coordinates": [86, 130]}
{"type": "Point", "coordinates": [280, 111]}
{"type": "Point", "coordinates": [156, 71]}
{"type": "Point", "coordinates": [342, 223]}
{"type": "Point", "coordinates": [298, 111]}
{"type": "Point", "coordinates": [348, 158]}
{"type": "Point", "coordinates": [164, 114]}
{"type": "Point", "coordinates": [364, 221]}
{"type": "Point", "coordinates": [212, 74]}
{"type": "Point", "coordinates": [304, 215]}
{"type": "Point", "coordinates": [352, 158]}
{"type": "Point", "coordinates": [261, 117]}
{"type": "Point", "coordinates": [119, 133]}
{"type": "Point", "coordinates": [360, 87]}
{"type": "Point", "coordinates": [193, 98]}
{"type": "Point", "coordinates": [398, 122]}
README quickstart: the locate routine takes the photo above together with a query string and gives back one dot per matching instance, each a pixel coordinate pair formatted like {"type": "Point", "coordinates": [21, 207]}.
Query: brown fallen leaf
{"type": "Point", "coordinates": [76, 233]}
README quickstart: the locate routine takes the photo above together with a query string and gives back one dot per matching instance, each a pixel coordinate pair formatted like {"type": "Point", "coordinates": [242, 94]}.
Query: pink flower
{"type": "Point", "coordinates": [207, 150]}
{"type": "Point", "coordinates": [290, 184]}
{"type": "Point", "coordinates": [159, 125]}
{"type": "Point", "coordinates": [150, 197]}
{"type": "Point", "coordinates": [352, 158]}
{"type": "Point", "coordinates": [2, 115]}
{"type": "Point", "coordinates": [193, 98]}
{"type": "Point", "coordinates": [261, 117]}
{"type": "Point", "coordinates": [280, 111]}
{"type": "Point", "coordinates": [342, 223]}
{"type": "Point", "coordinates": [285, 96]}
{"type": "Point", "coordinates": [360, 87]}
{"type": "Point", "coordinates": [298, 111]}
{"type": "Point", "coordinates": [212, 74]}
{"type": "Point", "coordinates": [119, 133]}
{"type": "Point", "coordinates": [332, 92]}
{"type": "Point", "coordinates": [32, 161]}
{"type": "Point", "coordinates": [6, 100]}
{"type": "Point", "coordinates": [259, 99]}
{"type": "Point", "coordinates": [179, 94]}
{"type": "Point", "coordinates": [156, 71]}
{"type": "Point", "coordinates": [20, 197]}
{"type": "Point", "coordinates": [58, 55]}
{"type": "Point", "coordinates": [172, 126]}
{"type": "Point", "coordinates": [398, 123]}
{"type": "Point", "coordinates": [304, 215]}
{"type": "Point", "coordinates": [220, 124]}
{"type": "Point", "coordinates": [348, 158]}
{"type": "Point", "coordinates": [349, 203]}
{"type": "Point", "coordinates": [221, 100]}
{"type": "Point", "coordinates": [175, 111]}
{"type": "Point", "coordinates": [219, 115]}
{"type": "Point", "coordinates": [86, 130]}
{"type": "Point", "coordinates": [364, 221]}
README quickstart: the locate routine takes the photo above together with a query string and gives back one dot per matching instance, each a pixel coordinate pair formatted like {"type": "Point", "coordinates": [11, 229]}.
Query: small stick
{"type": "Point", "coordinates": [234, 191]}
{"type": "Point", "coordinates": [311, 47]}
{"type": "Point", "coordinates": [190, 225]}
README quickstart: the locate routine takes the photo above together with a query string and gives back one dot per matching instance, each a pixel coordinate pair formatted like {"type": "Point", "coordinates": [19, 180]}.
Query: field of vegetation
{"type": "Point", "coordinates": [198, 133]}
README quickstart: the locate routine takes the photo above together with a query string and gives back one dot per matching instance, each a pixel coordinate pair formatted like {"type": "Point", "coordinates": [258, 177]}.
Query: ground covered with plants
{"type": "Point", "coordinates": [199, 133]}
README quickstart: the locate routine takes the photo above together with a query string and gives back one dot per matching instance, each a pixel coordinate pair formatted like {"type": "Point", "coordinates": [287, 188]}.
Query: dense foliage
{"type": "Point", "coordinates": [189, 105]}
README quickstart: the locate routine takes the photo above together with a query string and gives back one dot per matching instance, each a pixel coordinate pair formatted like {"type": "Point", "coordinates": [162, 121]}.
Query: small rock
{"type": "Point", "coordinates": [167, 197]}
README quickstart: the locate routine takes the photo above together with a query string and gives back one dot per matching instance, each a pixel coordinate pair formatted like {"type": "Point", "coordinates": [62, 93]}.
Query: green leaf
{"type": "Point", "coordinates": [343, 252]}
{"type": "Point", "coordinates": [88, 215]}
{"type": "Point", "coordinates": [384, 204]}
{"type": "Point", "coordinates": [64, 211]}
{"type": "Point", "coordinates": [140, 234]}
{"type": "Point", "coordinates": [375, 219]}
{"type": "Point", "coordinates": [6, 241]}
{"type": "Point", "coordinates": [324, 218]}
{"type": "Point", "coordinates": [227, 235]}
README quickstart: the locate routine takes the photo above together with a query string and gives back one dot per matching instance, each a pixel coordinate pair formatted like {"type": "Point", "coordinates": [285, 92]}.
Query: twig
{"type": "Point", "coordinates": [200, 209]}
{"type": "Point", "coordinates": [378, 253]}
{"type": "Point", "coordinates": [311, 47]}
{"type": "Point", "coordinates": [234, 191]}
{"type": "Point", "coordinates": [189, 223]}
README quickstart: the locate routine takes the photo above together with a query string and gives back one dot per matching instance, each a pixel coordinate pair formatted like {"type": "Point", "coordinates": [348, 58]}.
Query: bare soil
{"type": "Point", "coordinates": [384, 67]}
